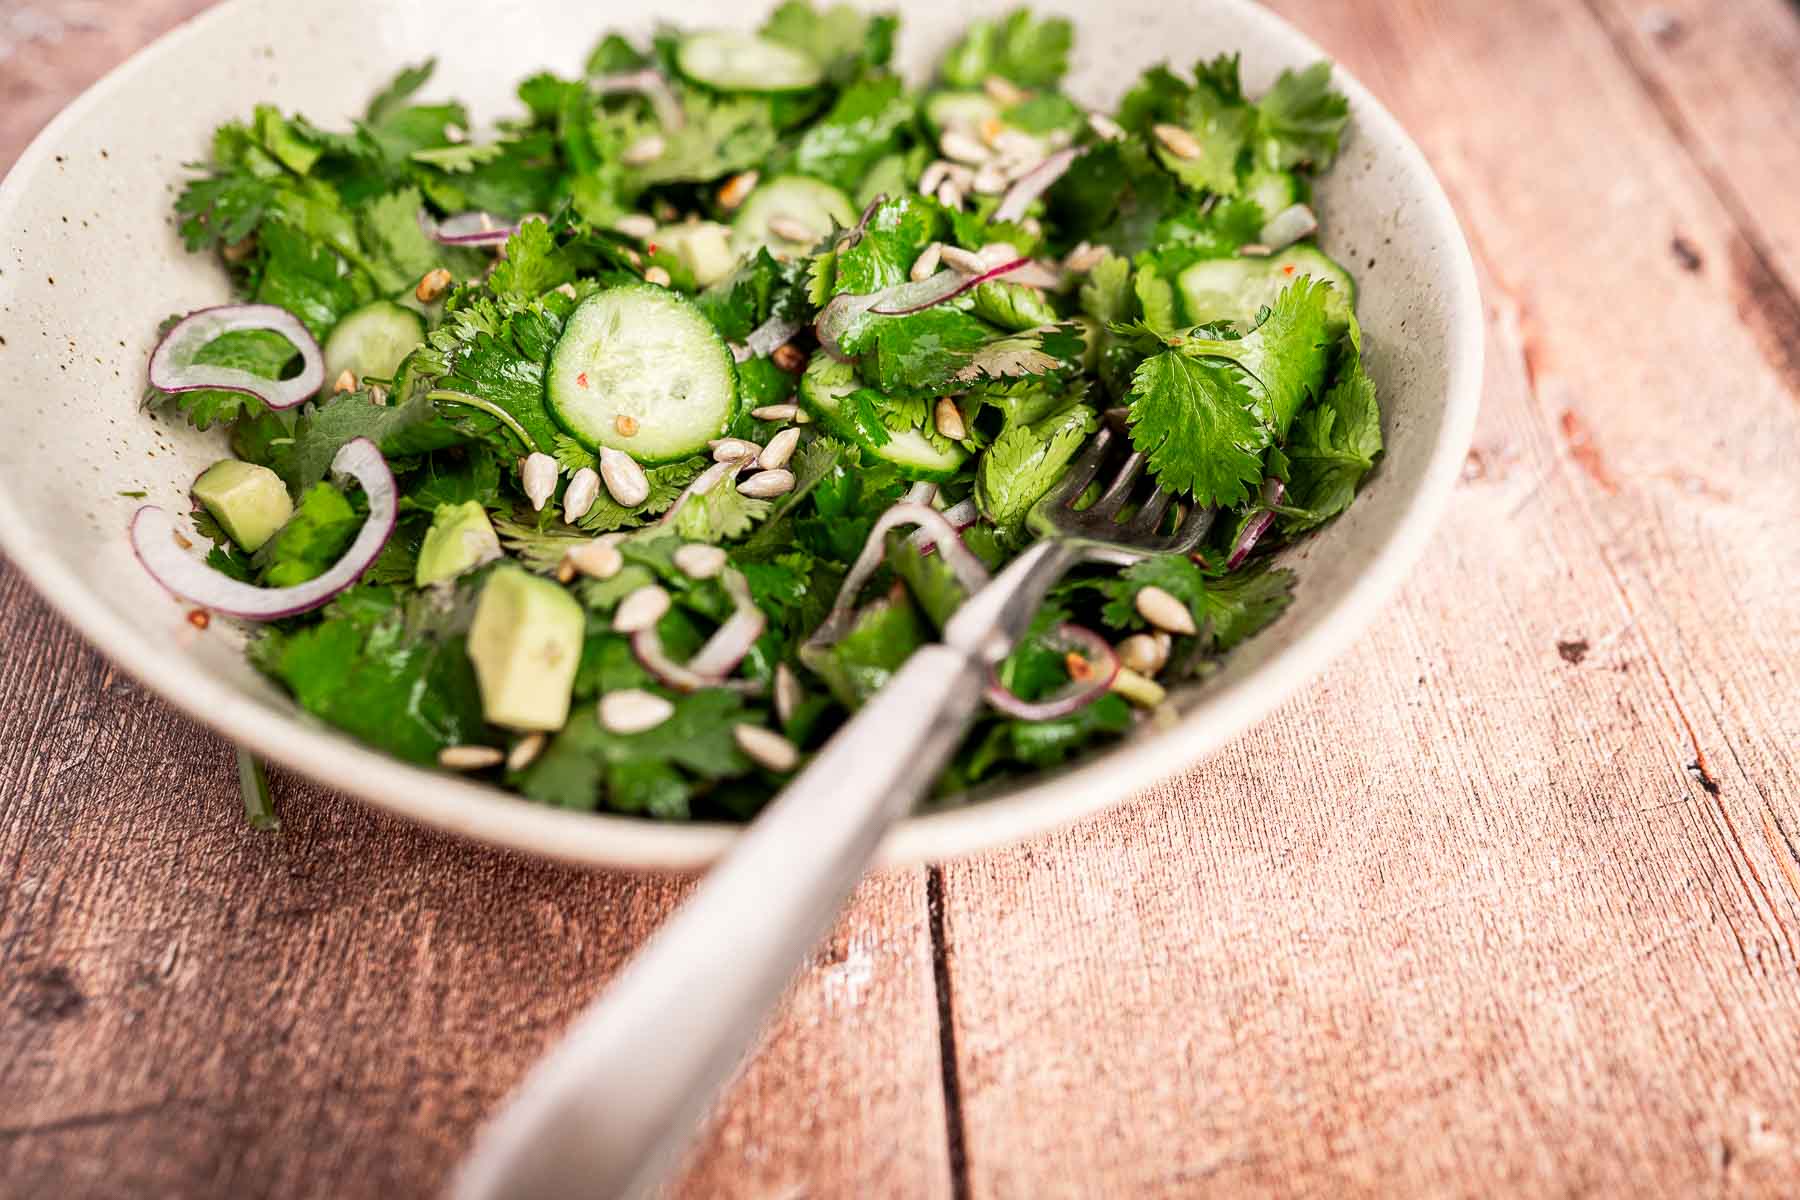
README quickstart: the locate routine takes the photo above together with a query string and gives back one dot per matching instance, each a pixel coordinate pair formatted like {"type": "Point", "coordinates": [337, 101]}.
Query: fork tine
{"type": "Point", "coordinates": [1081, 472]}
{"type": "Point", "coordinates": [1193, 527]}
{"type": "Point", "coordinates": [1145, 523]}
{"type": "Point", "coordinates": [1119, 490]}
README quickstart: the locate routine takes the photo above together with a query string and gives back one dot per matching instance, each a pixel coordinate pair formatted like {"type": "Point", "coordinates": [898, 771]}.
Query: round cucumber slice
{"type": "Point", "coordinates": [1236, 289]}
{"type": "Point", "coordinates": [743, 62]}
{"type": "Point", "coordinates": [781, 210]}
{"type": "Point", "coordinates": [373, 340]}
{"type": "Point", "coordinates": [643, 359]}
{"type": "Point", "coordinates": [825, 387]}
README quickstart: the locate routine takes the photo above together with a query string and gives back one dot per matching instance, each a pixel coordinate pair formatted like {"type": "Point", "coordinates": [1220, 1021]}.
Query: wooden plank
{"type": "Point", "coordinates": [193, 1008]}
{"type": "Point", "coordinates": [1506, 903]}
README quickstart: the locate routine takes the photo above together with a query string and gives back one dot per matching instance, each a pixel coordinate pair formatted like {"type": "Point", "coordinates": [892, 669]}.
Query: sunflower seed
{"type": "Point", "coordinates": [1164, 611]}
{"type": "Point", "coordinates": [1021, 148]}
{"type": "Point", "coordinates": [525, 752]}
{"type": "Point", "coordinates": [1104, 126]}
{"type": "Point", "coordinates": [658, 276]}
{"type": "Point", "coordinates": [933, 176]}
{"type": "Point", "coordinates": [633, 711]}
{"type": "Point", "coordinates": [926, 265]}
{"type": "Point", "coordinates": [432, 285]}
{"type": "Point", "coordinates": [1004, 91]}
{"type": "Point", "coordinates": [539, 477]}
{"type": "Point", "coordinates": [1085, 257]}
{"type": "Point", "coordinates": [697, 560]}
{"type": "Point", "coordinates": [579, 496]}
{"type": "Point", "coordinates": [950, 194]}
{"type": "Point", "coordinates": [960, 147]}
{"type": "Point", "coordinates": [775, 412]}
{"type": "Point", "coordinates": [780, 448]}
{"type": "Point", "coordinates": [990, 130]}
{"type": "Point", "coordinates": [788, 693]}
{"type": "Point", "coordinates": [565, 571]}
{"type": "Point", "coordinates": [1145, 653]}
{"type": "Point", "coordinates": [596, 559]}
{"type": "Point", "coordinates": [730, 449]}
{"type": "Point", "coordinates": [737, 188]}
{"type": "Point", "coordinates": [470, 758]}
{"type": "Point", "coordinates": [949, 419]}
{"type": "Point", "coordinates": [765, 747]}
{"type": "Point", "coordinates": [1145, 693]}
{"type": "Point", "coordinates": [1255, 250]}
{"type": "Point", "coordinates": [792, 229]}
{"type": "Point", "coordinates": [1179, 141]}
{"type": "Point", "coordinates": [636, 225]}
{"type": "Point", "coordinates": [644, 151]}
{"type": "Point", "coordinates": [997, 254]}
{"type": "Point", "coordinates": [966, 261]}
{"type": "Point", "coordinates": [788, 357]}
{"type": "Point", "coordinates": [641, 609]}
{"type": "Point", "coordinates": [765, 485]}
{"type": "Point", "coordinates": [566, 289]}
{"type": "Point", "coordinates": [625, 480]}
{"type": "Point", "coordinates": [346, 381]}
{"type": "Point", "coordinates": [991, 180]}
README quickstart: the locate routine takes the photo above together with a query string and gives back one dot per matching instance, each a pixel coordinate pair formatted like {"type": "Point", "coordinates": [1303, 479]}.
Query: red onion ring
{"type": "Point", "coordinates": [1077, 695]}
{"type": "Point", "coordinates": [172, 368]}
{"type": "Point", "coordinates": [469, 229]}
{"type": "Point", "coordinates": [920, 493]}
{"type": "Point", "coordinates": [900, 300]}
{"type": "Point", "coordinates": [771, 335]}
{"type": "Point", "coordinates": [153, 541]}
{"type": "Point", "coordinates": [960, 515]}
{"type": "Point", "coordinates": [969, 570]}
{"type": "Point", "coordinates": [650, 84]}
{"type": "Point", "coordinates": [1034, 183]}
{"type": "Point", "coordinates": [721, 654]}
{"type": "Point", "coordinates": [703, 483]}
{"type": "Point", "coordinates": [1272, 492]}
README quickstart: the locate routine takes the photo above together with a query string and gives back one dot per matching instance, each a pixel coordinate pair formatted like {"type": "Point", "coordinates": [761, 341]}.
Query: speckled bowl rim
{"type": "Point", "coordinates": [489, 815]}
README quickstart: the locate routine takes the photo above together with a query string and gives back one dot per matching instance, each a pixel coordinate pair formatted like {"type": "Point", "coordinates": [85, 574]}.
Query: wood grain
{"type": "Point", "coordinates": [189, 1008]}
{"type": "Point", "coordinates": [1507, 903]}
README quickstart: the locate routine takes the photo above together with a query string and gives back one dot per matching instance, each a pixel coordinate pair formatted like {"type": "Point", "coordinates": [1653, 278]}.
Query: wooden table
{"type": "Point", "coordinates": [1507, 902]}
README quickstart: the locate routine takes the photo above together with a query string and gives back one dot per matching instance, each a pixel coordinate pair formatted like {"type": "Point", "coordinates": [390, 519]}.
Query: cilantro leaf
{"type": "Point", "coordinates": [1012, 306]}
{"type": "Point", "coordinates": [899, 230]}
{"type": "Point", "coordinates": [1301, 120]}
{"type": "Point", "coordinates": [666, 484]}
{"type": "Point", "coordinates": [1229, 608]}
{"type": "Point", "coordinates": [1221, 122]}
{"type": "Point", "coordinates": [315, 537]}
{"type": "Point", "coordinates": [399, 431]}
{"type": "Point", "coordinates": [866, 123]}
{"type": "Point", "coordinates": [1194, 421]}
{"type": "Point", "coordinates": [639, 772]}
{"type": "Point", "coordinates": [1286, 354]}
{"type": "Point", "coordinates": [532, 265]}
{"type": "Point", "coordinates": [722, 134]}
{"type": "Point", "coordinates": [883, 636]}
{"type": "Point", "coordinates": [302, 274]}
{"type": "Point", "coordinates": [1032, 52]}
{"type": "Point", "coordinates": [1334, 445]}
{"type": "Point", "coordinates": [840, 37]}
{"type": "Point", "coordinates": [1027, 460]}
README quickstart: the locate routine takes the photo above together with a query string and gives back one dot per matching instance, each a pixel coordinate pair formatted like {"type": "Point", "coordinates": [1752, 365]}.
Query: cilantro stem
{"type": "Point", "coordinates": [491, 409]}
{"type": "Point", "coordinates": [259, 801]}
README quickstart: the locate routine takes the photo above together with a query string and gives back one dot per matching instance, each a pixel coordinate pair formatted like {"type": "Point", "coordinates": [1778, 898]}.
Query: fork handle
{"type": "Point", "coordinates": [609, 1111]}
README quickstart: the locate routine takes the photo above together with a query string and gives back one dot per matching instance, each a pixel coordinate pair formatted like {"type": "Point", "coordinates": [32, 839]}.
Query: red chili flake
{"type": "Point", "coordinates": [581, 379]}
{"type": "Point", "coordinates": [650, 247]}
{"type": "Point", "coordinates": [1080, 669]}
{"type": "Point", "coordinates": [199, 618]}
{"type": "Point", "coordinates": [1288, 270]}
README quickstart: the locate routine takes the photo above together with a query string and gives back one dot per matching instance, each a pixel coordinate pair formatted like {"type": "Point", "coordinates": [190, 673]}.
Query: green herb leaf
{"type": "Point", "coordinates": [1194, 420]}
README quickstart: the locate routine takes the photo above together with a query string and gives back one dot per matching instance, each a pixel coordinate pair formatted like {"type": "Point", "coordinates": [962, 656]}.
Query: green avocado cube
{"type": "Point", "coordinates": [704, 248]}
{"type": "Point", "coordinates": [248, 501]}
{"type": "Point", "coordinates": [460, 539]}
{"type": "Point", "coordinates": [525, 642]}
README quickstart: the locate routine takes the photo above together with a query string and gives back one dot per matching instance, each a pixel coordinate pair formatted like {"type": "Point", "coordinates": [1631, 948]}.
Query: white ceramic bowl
{"type": "Point", "coordinates": [94, 263]}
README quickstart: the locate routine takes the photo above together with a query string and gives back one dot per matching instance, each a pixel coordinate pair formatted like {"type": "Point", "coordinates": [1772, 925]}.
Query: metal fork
{"type": "Point", "coordinates": [609, 1111]}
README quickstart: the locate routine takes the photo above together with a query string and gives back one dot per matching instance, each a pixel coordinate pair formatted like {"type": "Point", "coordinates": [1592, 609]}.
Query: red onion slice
{"type": "Point", "coordinates": [721, 654]}
{"type": "Point", "coordinates": [920, 493]}
{"type": "Point", "coordinates": [1033, 184]}
{"type": "Point", "coordinates": [1272, 492]}
{"type": "Point", "coordinates": [469, 229]}
{"type": "Point", "coordinates": [650, 84]}
{"type": "Point", "coordinates": [960, 515]}
{"type": "Point", "coordinates": [1103, 667]}
{"type": "Point", "coordinates": [173, 369]}
{"type": "Point", "coordinates": [969, 570]}
{"type": "Point", "coordinates": [153, 540]}
{"type": "Point", "coordinates": [772, 335]}
{"type": "Point", "coordinates": [900, 300]}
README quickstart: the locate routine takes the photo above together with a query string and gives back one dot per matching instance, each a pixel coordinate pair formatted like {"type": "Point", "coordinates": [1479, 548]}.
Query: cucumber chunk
{"type": "Point", "coordinates": [703, 247]}
{"type": "Point", "coordinates": [825, 386]}
{"type": "Point", "coordinates": [373, 340]}
{"type": "Point", "coordinates": [1236, 289]}
{"type": "Point", "coordinates": [790, 203]}
{"type": "Point", "coordinates": [743, 62]}
{"type": "Point", "coordinates": [644, 353]}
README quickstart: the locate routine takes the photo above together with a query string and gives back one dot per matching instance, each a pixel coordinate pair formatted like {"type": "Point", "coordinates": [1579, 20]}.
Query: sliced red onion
{"type": "Point", "coordinates": [1272, 492]}
{"type": "Point", "coordinates": [960, 515]}
{"type": "Point", "coordinates": [969, 570]}
{"type": "Point", "coordinates": [1033, 184]}
{"type": "Point", "coordinates": [1287, 227]}
{"type": "Point", "coordinates": [855, 236]}
{"type": "Point", "coordinates": [1045, 276]}
{"type": "Point", "coordinates": [920, 493]}
{"type": "Point", "coordinates": [721, 654]}
{"type": "Point", "coordinates": [153, 540]}
{"type": "Point", "coordinates": [771, 335]}
{"type": "Point", "coordinates": [1103, 665]}
{"type": "Point", "coordinates": [173, 369]}
{"type": "Point", "coordinates": [650, 84]}
{"type": "Point", "coordinates": [469, 229]}
{"type": "Point", "coordinates": [703, 483]}
{"type": "Point", "coordinates": [898, 301]}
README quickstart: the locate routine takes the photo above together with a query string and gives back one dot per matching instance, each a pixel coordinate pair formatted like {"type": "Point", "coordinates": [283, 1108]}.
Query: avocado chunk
{"type": "Point", "coordinates": [248, 501]}
{"type": "Point", "coordinates": [460, 539]}
{"type": "Point", "coordinates": [525, 642]}
{"type": "Point", "coordinates": [704, 248]}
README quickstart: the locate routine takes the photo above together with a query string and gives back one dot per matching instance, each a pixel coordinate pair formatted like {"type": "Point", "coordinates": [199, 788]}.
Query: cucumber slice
{"type": "Point", "coordinates": [1236, 289]}
{"type": "Point", "coordinates": [796, 200]}
{"type": "Point", "coordinates": [645, 353]}
{"type": "Point", "coordinates": [373, 340]}
{"type": "Point", "coordinates": [704, 248]}
{"type": "Point", "coordinates": [823, 390]}
{"type": "Point", "coordinates": [743, 62]}
{"type": "Point", "coordinates": [966, 111]}
{"type": "Point", "coordinates": [1272, 190]}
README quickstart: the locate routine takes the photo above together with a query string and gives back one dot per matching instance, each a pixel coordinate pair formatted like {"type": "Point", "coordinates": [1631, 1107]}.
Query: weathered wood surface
{"type": "Point", "coordinates": [1509, 901]}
